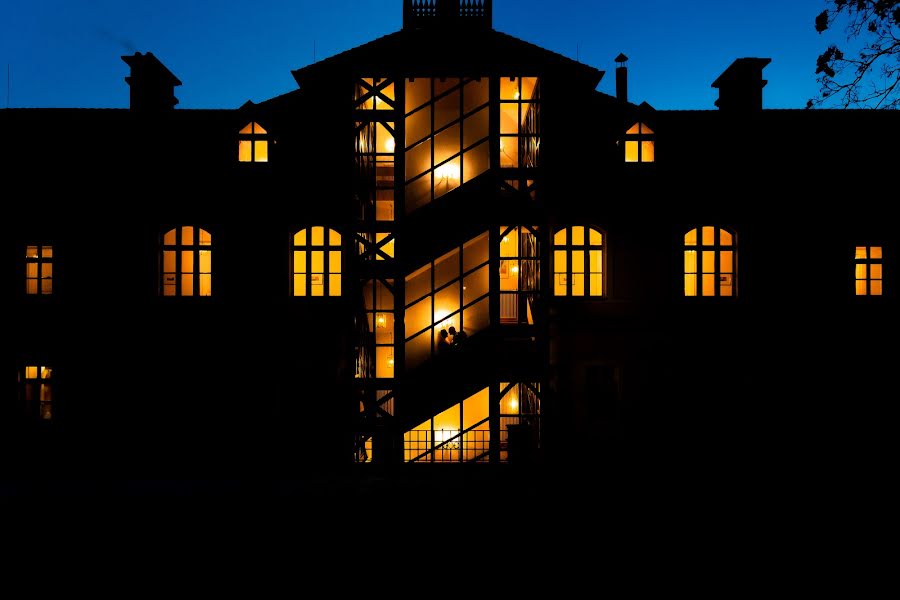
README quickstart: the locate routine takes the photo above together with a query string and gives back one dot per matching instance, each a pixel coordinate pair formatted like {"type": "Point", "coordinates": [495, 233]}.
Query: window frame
{"type": "Point", "coordinates": [700, 248]}
{"type": "Point", "coordinates": [43, 261]}
{"type": "Point", "coordinates": [587, 247]}
{"type": "Point", "coordinates": [195, 249]}
{"type": "Point", "coordinates": [307, 248]}
{"type": "Point", "coordinates": [867, 262]}
{"type": "Point", "coordinates": [254, 137]}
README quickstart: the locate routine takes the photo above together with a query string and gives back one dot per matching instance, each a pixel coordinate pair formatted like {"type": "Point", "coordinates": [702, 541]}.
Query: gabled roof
{"type": "Point", "coordinates": [449, 52]}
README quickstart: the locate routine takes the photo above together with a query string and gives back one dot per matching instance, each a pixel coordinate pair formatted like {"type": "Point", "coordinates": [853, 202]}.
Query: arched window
{"type": "Point", "coordinates": [186, 262]}
{"type": "Point", "coordinates": [36, 389]}
{"type": "Point", "coordinates": [253, 144]}
{"type": "Point", "coordinates": [869, 265]}
{"type": "Point", "coordinates": [39, 270]}
{"type": "Point", "coordinates": [639, 144]}
{"type": "Point", "coordinates": [316, 262]}
{"type": "Point", "coordinates": [710, 260]}
{"type": "Point", "coordinates": [578, 262]}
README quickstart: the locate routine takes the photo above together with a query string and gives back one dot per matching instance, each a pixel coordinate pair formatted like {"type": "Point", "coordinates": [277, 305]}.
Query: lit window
{"type": "Point", "coordinates": [869, 266]}
{"type": "Point", "coordinates": [450, 291]}
{"type": "Point", "coordinates": [446, 138]}
{"type": "Point", "coordinates": [520, 274]}
{"type": "Point", "coordinates": [578, 262]}
{"type": "Point", "coordinates": [37, 391]}
{"type": "Point", "coordinates": [462, 433]}
{"type": "Point", "coordinates": [316, 262]}
{"type": "Point", "coordinates": [710, 260]}
{"type": "Point", "coordinates": [375, 352]}
{"type": "Point", "coordinates": [376, 146]}
{"type": "Point", "coordinates": [186, 262]}
{"type": "Point", "coordinates": [253, 144]}
{"type": "Point", "coordinates": [639, 144]}
{"type": "Point", "coordinates": [520, 113]}
{"type": "Point", "coordinates": [39, 270]}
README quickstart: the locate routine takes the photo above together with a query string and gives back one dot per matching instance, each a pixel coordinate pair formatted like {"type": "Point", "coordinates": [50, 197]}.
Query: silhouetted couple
{"type": "Point", "coordinates": [450, 339]}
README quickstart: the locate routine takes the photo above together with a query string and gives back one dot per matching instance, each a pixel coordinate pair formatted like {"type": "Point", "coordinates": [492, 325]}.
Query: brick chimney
{"type": "Point", "coordinates": [152, 84]}
{"type": "Point", "coordinates": [741, 84]}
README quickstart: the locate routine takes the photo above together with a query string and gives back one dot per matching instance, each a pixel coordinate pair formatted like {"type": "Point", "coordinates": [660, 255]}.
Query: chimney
{"type": "Point", "coordinates": [621, 78]}
{"type": "Point", "coordinates": [152, 84]}
{"type": "Point", "coordinates": [741, 85]}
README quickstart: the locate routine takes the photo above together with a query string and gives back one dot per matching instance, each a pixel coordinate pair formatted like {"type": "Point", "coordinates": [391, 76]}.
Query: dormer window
{"type": "Point", "coordinates": [639, 144]}
{"type": "Point", "coordinates": [253, 144]}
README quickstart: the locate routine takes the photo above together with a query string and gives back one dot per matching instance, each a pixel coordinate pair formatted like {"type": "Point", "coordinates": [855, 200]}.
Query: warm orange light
{"type": "Point", "coordinates": [381, 321]}
{"type": "Point", "coordinates": [390, 144]}
{"type": "Point", "coordinates": [447, 171]}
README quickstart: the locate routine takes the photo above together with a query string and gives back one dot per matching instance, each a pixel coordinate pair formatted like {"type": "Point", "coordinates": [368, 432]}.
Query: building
{"type": "Point", "coordinates": [267, 287]}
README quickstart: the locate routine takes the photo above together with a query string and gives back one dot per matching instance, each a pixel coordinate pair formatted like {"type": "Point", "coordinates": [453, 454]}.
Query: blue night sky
{"type": "Point", "coordinates": [65, 53]}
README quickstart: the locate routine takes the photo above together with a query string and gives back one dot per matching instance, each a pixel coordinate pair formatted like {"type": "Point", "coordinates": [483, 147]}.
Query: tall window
{"type": "Point", "coordinates": [316, 262]}
{"type": "Point", "coordinates": [710, 258]}
{"type": "Point", "coordinates": [462, 433]}
{"type": "Point", "coordinates": [578, 262]}
{"type": "Point", "coordinates": [520, 112]}
{"type": "Point", "coordinates": [39, 270]}
{"type": "Point", "coordinates": [869, 265]}
{"type": "Point", "coordinates": [378, 296]}
{"type": "Point", "coordinates": [520, 274]}
{"type": "Point", "coordinates": [446, 136]}
{"type": "Point", "coordinates": [639, 144]}
{"type": "Point", "coordinates": [375, 146]}
{"type": "Point", "coordinates": [253, 144]}
{"type": "Point", "coordinates": [451, 291]}
{"type": "Point", "coordinates": [186, 262]}
{"type": "Point", "coordinates": [37, 392]}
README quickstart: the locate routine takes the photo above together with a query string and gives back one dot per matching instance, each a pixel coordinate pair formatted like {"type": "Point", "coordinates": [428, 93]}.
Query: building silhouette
{"type": "Point", "coordinates": [265, 288]}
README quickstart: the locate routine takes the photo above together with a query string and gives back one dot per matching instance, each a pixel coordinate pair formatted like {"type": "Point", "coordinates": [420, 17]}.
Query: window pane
{"type": "Point", "coordinates": [578, 236]}
{"type": "Point", "coordinates": [334, 285]}
{"type": "Point", "coordinates": [631, 152]}
{"type": "Point", "coordinates": [300, 261]}
{"type": "Point", "coordinates": [318, 236]}
{"type": "Point", "coordinates": [690, 261]}
{"type": "Point", "coordinates": [384, 361]}
{"type": "Point", "coordinates": [725, 285]}
{"type": "Point", "coordinates": [509, 275]}
{"type": "Point", "coordinates": [446, 177]}
{"type": "Point", "coordinates": [317, 262]}
{"type": "Point", "coordinates": [560, 264]}
{"type": "Point", "coordinates": [187, 261]}
{"type": "Point", "coordinates": [46, 286]}
{"type": "Point", "coordinates": [876, 287]}
{"type": "Point", "coordinates": [578, 262]}
{"type": "Point", "coordinates": [528, 85]}
{"type": "Point", "coordinates": [559, 238]}
{"type": "Point", "coordinates": [205, 261]}
{"type": "Point", "coordinates": [300, 238]}
{"type": "Point", "coordinates": [31, 252]}
{"type": "Point", "coordinates": [187, 285]}
{"type": "Point", "coordinates": [47, 252]}
{"type": "Point", "coordinates": [476, 161]}
{"type": "Point", "coordinates": [418, 349]}
{"type": "Point", "coordinates": [31, 286]}
{"type": "Point", "coordinates": [262, 151]}
{"type": "Point", "coordinates": [418, 92]}
{"type": "Point", "coordinates": [560, 284]}
{"type": "Point", "coordinates": [596, 258]}
{"type": "Point", "coordinates": [245, 151]}
{"type": "Point", "coordinates": [509, 118]}
{"type": "Point", "coordinates": [31, 372]}
{"type": "Point", "coordinates": [187, 236]}
{"type": "Point", "coordinates": [709, 285]}
{"type": "Point", "coordinates": [862, 271]}
{"type": "Point", "coordinates": [476, 317]}
{"type": "Point", "coordinates": [875, 252]}
{"type": "Point", "coordinates": [418, 317]}
{"type": "Point", "coordinates": [446, 144]}
{"type": "Point", "coordinates": [577, 284]}
{"type": "Point", "coordinates": [861, 288]}
{"type": "Point", "coordinates": [317, 284]}
{"type": "Point", "coordinates": [334, 238]}
{"type": "Point", "coordinates": [418, 126]}
{"type": "Point", "coordinates": [596, 237]}
{"type": "Point", "coordinates": [248, 129]}
{"type": "Point", "coordinates": [709, 236]}
{"type": "Point", "coordinates": [446, 268]}
{"type": "Point", "coordinates": [418, 159]}
{"type": "Point", "coordinates": [168, 261]}
{"type": "Point", "coordinates": [475, 252]}
{"type": "Point", "coordinates": [875, 271]}
{"type": "Point", "coordinates": [725, 238]}
{"type": "Point", "coordinates": [446, 110]}
{"type": "Point", "coordinates": [169, 286]}
{"type": "Point", "coordinates": [726, 259]}
{"type": "Point", "coordinates": [509, 88]}
{"type": "Point", "coordinates": [206, 285]}
{"type": "Point", "coordinates": [476, 285]}
{"type": "Point", "coordinates": [509, 152]}
{"type": "Point", "coordinates": [690, 238]}
{"type": "Point", "coordinates": [334, 261]}
{"type": "Point", "coordinates": [31, 270]}
{"type": "Point", "coordinates": [475, 127]}
{"type": "Point", "coordinates": [648, 154]}
{"type": "Point", "coordinates": [634, 129]}
{"type": "Point", "coordinates": [596, 284]}
{"type": "Point", "coordinates": [169, 238]}
{"type": "Point", "coordinates": [446, 302]}
{"type": "Point", "coordinates": [709, 262]}
{"type": "Point", "coordinates": [509, 243]}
